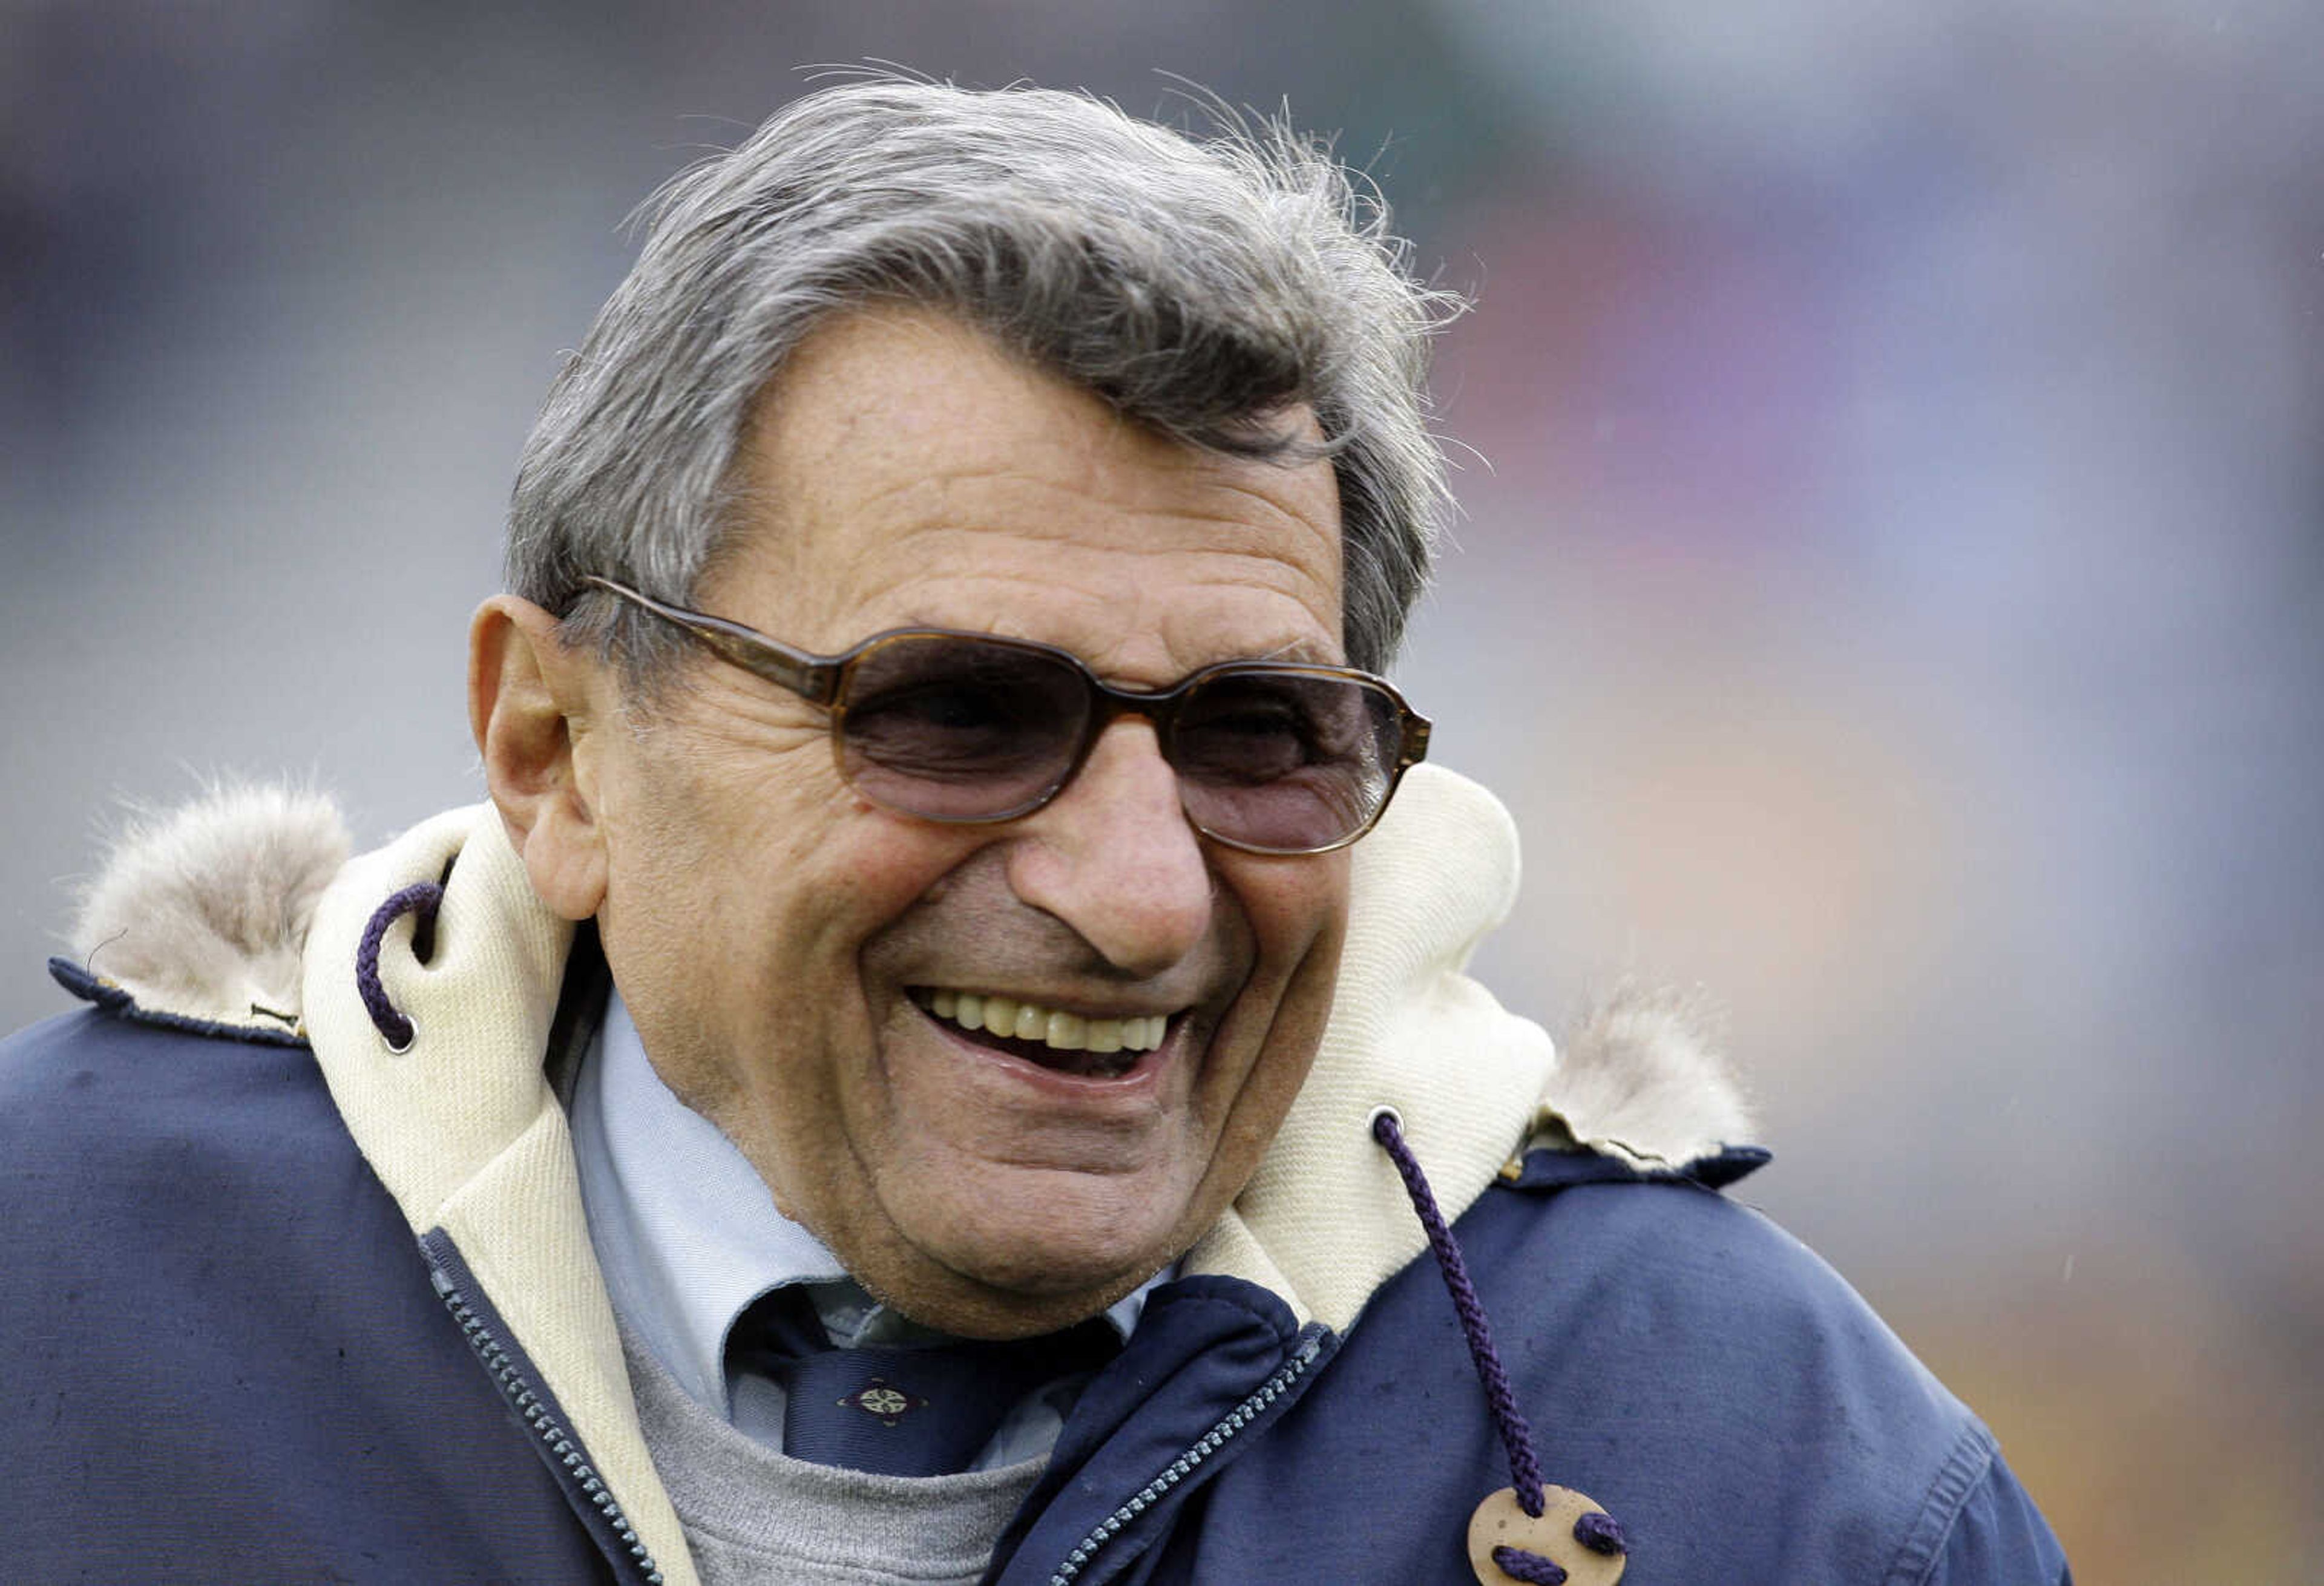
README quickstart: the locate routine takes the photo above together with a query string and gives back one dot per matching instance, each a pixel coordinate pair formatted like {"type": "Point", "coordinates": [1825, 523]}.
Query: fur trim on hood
{"type": "Point", "coordinates": [1643, 1079]}
{"type": "Point", "coordinates": [202, 913]}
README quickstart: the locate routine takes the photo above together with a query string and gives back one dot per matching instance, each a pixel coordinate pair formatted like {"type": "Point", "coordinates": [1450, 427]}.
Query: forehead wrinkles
{"type": "Point", "coordinates": [924, 561]}
{"type": "Point", "coordinates": [886, 493]}
{"type": "Point", "coordinates": [1043, 473]}
{"type": "Point", "coordinates": [1203, 581]}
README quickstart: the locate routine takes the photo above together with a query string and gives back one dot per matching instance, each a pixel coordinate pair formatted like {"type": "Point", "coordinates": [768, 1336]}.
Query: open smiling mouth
{"type": "Point", "coordinates": [1067, 1043]}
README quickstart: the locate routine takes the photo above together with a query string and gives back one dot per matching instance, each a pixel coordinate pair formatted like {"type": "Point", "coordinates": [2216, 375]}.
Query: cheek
{"type": "Point", "coordinates": [707, 895]}
{"type": "Point", "coordinates": [1299, 913]}
{"type": "Point", "coordinates": [1297, 909]}
{"type": "Point", "coordinates": [750, 850]}
{"type": "Point", "coordinates": [788, 914]}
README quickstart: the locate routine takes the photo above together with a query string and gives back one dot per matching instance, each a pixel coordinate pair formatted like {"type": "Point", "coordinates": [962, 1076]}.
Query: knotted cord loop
{"type": "Point", "coordinates": [1520, 1565]}
{"type": "Point", "coordinates": [1598, 1532]}
{"type": "Point", "coordinates": [393, 1028]}
{"type": "Point", "coordinates": [1525, 1471]}
{"type": "Point", "coordinates": [1595, 1531]}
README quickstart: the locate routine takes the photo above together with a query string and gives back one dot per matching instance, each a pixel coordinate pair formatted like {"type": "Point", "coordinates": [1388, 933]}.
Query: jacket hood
{"type": "Point", "coordinates": [203, 914]}
{"type": "Point", "coordinates": [206, 915]}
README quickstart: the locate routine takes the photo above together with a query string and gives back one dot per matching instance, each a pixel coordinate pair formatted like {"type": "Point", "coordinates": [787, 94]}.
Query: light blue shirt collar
{"type": "Point", "coordinates": [686, 1232]}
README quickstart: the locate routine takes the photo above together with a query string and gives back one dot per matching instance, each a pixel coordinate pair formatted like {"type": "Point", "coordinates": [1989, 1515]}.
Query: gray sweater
{"type": "Point", "coordinates": [754, 1515]}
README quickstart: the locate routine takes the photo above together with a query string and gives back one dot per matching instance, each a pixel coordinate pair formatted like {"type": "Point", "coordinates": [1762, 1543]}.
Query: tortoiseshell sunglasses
{"type": "Point", "coordinates": [1272, 757]}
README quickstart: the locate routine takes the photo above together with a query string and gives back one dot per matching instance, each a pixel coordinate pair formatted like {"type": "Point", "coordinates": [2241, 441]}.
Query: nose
{"type": "Point", "coordinates": [1114, 857]}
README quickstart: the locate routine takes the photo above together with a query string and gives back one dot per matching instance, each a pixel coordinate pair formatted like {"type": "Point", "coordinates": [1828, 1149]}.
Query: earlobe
{"type": "Point", "coordinates": [530, 702]}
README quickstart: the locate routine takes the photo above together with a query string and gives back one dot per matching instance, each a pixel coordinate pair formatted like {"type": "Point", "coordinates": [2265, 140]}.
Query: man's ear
{"type": "Point", "coordinates": [531, 702]}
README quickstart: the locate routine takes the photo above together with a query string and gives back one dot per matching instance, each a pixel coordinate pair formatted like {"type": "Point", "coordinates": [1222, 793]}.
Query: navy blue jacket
{"type": "Point", "coordinates": [224, 1357]}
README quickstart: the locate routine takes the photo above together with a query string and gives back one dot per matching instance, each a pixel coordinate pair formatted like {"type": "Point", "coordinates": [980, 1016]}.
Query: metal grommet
{"type": "Point", "coordinates": [1371, 1120]}
{"type": "Point", "coordinates": [411, 1038]}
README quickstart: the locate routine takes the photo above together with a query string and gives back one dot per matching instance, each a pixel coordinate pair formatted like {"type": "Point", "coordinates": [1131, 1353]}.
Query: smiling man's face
{"type": "Point", "coordinates": [800, 962]}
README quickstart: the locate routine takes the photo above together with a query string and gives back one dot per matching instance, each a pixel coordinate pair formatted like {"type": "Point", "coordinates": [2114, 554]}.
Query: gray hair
{"type": "Point", "coordinates": [1198, 287]}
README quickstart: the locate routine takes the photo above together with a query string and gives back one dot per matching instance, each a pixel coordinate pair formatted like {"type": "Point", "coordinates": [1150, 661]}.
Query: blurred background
{"type": "Point", "coordinates": [1891, 593]}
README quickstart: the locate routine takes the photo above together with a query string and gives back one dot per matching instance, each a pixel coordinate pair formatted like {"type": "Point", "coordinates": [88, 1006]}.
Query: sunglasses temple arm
{"type": "Point", "coordinates": [805, 674]}
{"type": "Point", "coordinates": [809, 676]}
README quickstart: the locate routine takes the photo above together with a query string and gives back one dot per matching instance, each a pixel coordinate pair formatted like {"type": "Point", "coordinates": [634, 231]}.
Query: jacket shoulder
{"type": "Point", "coordinates": [1680, 1360]}
{"type": "Point", "coordinates": [1691, 1357]}
{"type": "Point", "coordinates": [134, 1134]}
{"type": "Point", "coordinates": [223, 1341]}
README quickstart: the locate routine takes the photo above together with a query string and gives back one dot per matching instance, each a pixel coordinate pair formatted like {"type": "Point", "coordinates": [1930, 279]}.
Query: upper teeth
{"type": "Point", "coordinates": [1030, 1021]}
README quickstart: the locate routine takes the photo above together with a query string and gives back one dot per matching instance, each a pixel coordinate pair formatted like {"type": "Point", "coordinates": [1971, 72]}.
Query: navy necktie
{"type": "Point", "coordinates": [900, 1410]}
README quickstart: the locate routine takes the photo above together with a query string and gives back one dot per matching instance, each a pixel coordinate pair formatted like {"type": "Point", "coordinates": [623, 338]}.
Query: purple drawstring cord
{"type": "Point", "coordinates": [1595, 1531]}
{"type": "Point", "coordinates": [1525, 1471]}
{"type": "Point", "coordinates": [393, 1028]}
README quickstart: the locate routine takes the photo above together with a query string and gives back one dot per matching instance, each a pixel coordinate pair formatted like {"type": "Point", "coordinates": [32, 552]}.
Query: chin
{"type": "Point", "coordinates": [996, 1275]}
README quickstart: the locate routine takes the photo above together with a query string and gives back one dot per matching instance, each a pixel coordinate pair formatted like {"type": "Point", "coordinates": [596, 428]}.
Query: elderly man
{"type": "Point", "coordinates": [925, 1069]}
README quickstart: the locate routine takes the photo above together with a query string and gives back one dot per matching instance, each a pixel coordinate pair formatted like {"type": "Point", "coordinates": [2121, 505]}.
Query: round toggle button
{"type": "Point", "coordinates": [1577, 1541]}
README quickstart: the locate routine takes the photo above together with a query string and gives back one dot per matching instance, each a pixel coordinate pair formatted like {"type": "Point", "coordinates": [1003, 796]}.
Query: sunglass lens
{"type": "Point", "coordinates": [1287, 761]}
{"type": "Point", "coordinates": [958, 729]}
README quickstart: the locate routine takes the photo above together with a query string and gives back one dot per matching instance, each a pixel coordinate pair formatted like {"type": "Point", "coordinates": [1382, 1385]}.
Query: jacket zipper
{"type": "Point", "coordinates": [1185, 1465]}
{"type": "Point", "coordinates": [517, 1390]}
